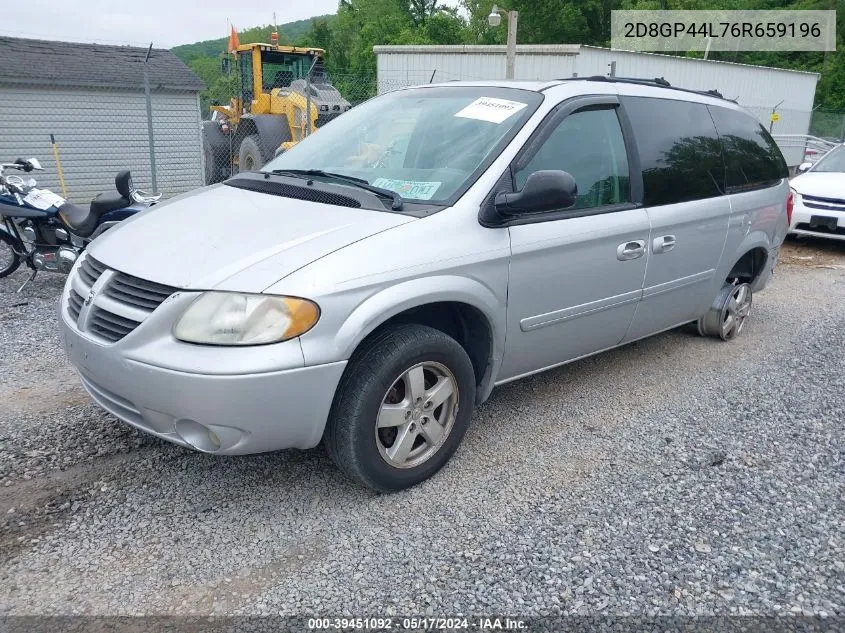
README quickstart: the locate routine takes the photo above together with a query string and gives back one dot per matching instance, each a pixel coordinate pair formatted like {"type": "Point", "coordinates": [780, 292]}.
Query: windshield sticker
{"type": "Point", "coordinates": [491, 109]}
{"type": "Point", "coordinates": [409, 188]}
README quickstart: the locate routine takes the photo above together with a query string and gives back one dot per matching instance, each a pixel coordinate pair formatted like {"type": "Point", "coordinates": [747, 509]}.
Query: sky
{"type": "Point", "coordinates": [165, 23]}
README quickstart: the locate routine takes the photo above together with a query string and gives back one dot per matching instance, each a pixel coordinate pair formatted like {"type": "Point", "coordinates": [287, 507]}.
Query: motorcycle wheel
{"type": "Point", "coordinates": [9, 258]}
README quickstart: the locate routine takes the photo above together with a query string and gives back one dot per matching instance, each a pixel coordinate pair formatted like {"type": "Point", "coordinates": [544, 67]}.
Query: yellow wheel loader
{"type": "Point", "coordinates": [283, 95]}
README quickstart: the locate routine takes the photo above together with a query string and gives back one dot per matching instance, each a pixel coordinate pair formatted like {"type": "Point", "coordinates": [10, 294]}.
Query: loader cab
{"type": "Point", "coordinates": [263, 68]}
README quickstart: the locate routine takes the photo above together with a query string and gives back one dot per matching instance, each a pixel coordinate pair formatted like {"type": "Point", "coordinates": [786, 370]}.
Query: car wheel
{"type": "Point", "coordinates": [728, 313]}
{"type": "Point", "coordinates": [402, 408]}
{"type": "Point", "coordinates": [249, 155]}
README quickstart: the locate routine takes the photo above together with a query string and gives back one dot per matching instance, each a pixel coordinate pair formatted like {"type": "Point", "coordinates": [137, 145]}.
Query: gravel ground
{"type": "Point", "coordinates": [677, 475]}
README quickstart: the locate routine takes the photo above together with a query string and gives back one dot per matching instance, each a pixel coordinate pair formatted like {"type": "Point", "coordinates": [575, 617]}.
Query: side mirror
{"type": "Point", "coordinates": [28, 164]}
{"type": "Point", "coordinates": [545, 190]}
{"type": "Point", "coordinates": [804, 167]}
{"type": "Point", "coordinates": [225, 65]}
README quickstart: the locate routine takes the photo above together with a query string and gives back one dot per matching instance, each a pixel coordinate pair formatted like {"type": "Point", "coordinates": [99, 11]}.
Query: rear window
{"type": "Point", "coordinates": [679, 150]}
{"type": "Point", "coordinates": [752, 158]}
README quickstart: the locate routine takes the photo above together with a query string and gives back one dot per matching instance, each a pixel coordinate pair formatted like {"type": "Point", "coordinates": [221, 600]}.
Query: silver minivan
{"type": "Point", "coordinates": [371, 286]}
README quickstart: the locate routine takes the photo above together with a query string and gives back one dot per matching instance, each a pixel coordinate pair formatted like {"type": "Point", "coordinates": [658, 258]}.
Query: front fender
{"type": "Point", "coordinates": [338, 341]}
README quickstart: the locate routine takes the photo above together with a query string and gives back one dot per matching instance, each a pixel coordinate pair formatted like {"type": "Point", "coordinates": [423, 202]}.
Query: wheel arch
{"type": "Point", "coordinates": [462, 308]}
{"type": "Point", "coordinates": [750, 264]}
{"type": "Point", "coordinates": [272, 131]}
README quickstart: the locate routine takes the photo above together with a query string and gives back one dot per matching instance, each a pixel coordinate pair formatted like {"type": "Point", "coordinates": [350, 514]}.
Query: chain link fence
{"type": "Point", "coordinates": [243, 143]}
{"type": "Point", "coordinates": [83, 136]}
{"type": "Point", "coordinates": [172, 144]}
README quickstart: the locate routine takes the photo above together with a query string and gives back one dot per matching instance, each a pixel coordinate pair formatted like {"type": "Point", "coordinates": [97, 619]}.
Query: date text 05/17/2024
{"type": "Point", "coordinates": [427, 623]}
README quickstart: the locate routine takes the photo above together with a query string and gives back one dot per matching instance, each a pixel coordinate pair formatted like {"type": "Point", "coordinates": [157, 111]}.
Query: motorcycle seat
{"type": "Point", "coordinates": [106, 202]}
{"type": "Point", "coordinates": [78, 219]}
{"type": "Point", "coordinates": [84, 221]}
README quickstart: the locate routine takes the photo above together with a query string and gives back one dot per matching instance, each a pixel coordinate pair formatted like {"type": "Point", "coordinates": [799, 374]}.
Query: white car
{"type": "Point", "coordinates": [819, 197]}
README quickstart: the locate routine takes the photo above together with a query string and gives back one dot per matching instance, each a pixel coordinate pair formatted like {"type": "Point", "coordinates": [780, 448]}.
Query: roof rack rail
{"type": "Point", "coordinates": [656, 81]}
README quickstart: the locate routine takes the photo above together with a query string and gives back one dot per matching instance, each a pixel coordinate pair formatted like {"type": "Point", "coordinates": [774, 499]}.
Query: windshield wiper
{"type": "Point", "coordinates": [396, 199]}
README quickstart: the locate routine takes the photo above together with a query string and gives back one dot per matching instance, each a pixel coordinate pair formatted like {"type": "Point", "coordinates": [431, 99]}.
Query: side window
{"type": "Point", "coordinates": [752, 158]}
{"type": "Point", "coordinates": [245, 61]}
{"type": "Point", "coordinates": [679, 149]}
{"type": "Point", "coordinates": [590, 146]}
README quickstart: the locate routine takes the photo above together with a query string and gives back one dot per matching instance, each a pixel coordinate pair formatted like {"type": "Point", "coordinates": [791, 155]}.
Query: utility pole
{"type": "Point", "coordinates": [494, 19]}
{"type": "Point", "coordinates": [150, 136]}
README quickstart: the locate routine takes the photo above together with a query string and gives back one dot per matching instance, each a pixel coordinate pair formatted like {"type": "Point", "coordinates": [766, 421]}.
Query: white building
{"type": "Point", "coordinates": [759, 89]}
{"type": "Point", "coordinates": [91, 98]}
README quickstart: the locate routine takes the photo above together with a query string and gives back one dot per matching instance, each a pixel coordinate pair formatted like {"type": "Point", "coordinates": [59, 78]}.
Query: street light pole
{"type": "Point", "coordinates": [494, 19]}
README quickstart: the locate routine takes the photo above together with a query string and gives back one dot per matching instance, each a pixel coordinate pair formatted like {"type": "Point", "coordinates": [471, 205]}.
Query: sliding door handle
{"type": "Point", "coordinates": [663, 244]}
{"type": "Point", "coordinates": [630, 250]}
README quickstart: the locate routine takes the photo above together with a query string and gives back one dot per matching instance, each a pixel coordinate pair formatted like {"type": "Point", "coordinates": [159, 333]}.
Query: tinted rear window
{"type": "Point", "coordinates": [752, 158]}
{"type": "Point", "coordinates": [680, 153]}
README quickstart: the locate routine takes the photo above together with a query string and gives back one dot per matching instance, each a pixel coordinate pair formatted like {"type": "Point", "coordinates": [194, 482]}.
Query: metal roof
{"type": "Point", "coordinates": [43, 62]}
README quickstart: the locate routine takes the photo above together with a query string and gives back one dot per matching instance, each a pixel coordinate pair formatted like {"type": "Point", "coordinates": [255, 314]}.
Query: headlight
{"type": "Point", "coordinates": [229, 318]}
{"type": "Point", "coordinates": [795, 194]}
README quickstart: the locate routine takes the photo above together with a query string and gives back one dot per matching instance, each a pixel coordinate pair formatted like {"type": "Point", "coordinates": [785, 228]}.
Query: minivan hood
{"type": "Point", "coordinates": [227, 238]}
{"type": "Point", "coordinates": [824, 184]}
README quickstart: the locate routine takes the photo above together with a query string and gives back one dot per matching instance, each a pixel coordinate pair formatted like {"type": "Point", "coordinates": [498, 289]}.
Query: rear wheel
{"type": "Point", "coordinates": [728, 313]}
{"type": "Point", "coordinates": [249, 155]}
{"type": "Point", "coordinates": [402, 408]}
{"type": "Point", "coordinates": [9, 258]}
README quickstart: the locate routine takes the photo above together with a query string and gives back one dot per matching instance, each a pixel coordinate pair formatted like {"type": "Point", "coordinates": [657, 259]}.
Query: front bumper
{"type": "Point", "coordinates": [223, 413]}
{"type": "Point", "coordinates": [801, 217]}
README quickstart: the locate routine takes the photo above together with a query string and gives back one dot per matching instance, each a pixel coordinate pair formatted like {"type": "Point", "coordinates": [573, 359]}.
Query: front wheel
{"type": "Point", "coordinates": [249, 155]}
{"type": "Point", "coordinates": [9, 258]}
{"type": "Point", "coordinates": [402, 408]}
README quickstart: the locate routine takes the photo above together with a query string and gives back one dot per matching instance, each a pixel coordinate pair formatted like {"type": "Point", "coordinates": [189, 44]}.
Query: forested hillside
{"type": "Point", "coordinates": [350, 35]}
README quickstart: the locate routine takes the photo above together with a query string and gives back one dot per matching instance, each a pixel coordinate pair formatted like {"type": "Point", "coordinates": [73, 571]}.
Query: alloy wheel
{"type": "Point", "coordinates": [417, 415]}
{"type": "Point", "coordinates": [735, 311]}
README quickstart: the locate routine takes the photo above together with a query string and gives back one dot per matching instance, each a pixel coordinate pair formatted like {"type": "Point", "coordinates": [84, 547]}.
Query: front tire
{"type": "Point", "coordinates": [9, 258]}
{"type": "Point", "coordinates": [402, 408]}
{"type": "Point", "coordinates": [249, 155]}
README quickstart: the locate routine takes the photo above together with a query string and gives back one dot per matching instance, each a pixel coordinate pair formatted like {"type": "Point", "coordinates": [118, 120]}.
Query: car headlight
{"type": "Point", "coordinates": [230, 318]}
{"type": "Point", "coordinates": [795, 194]}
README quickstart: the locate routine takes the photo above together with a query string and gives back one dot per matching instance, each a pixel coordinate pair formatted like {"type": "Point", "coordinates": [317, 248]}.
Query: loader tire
{"type": "Point", "coordinates": [249, 155]}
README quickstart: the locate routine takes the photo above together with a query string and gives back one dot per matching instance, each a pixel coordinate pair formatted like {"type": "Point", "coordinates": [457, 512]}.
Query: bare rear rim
{"type": "Point", "coordinates": [736, 310]}
{"type": "Point", "coordinates": [417, 415]}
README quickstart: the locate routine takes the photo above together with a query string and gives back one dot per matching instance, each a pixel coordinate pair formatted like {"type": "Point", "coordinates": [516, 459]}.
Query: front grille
{"type": "Point", "coordinates": [829, 204]}
{"type": "Point", "coordinates": [137, 292]}
{"type": "Point", "coordinates": [121, 303]}
{"type": "Point", "coordinates": [805, 226]}
{"type": "Point", "coordinates": [90, 270]}
{"type": "Point", "coordinates": [74, 304]}
{"type": "Point", "coordinates": [110, 326]}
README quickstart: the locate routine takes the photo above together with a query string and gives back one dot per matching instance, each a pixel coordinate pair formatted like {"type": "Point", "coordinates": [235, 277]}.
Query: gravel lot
{"type": "Point", "coordinates": [677, 475]}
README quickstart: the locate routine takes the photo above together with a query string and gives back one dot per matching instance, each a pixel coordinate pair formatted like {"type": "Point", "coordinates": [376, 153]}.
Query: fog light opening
{"type": "Point", "coordinates": [198, 436]}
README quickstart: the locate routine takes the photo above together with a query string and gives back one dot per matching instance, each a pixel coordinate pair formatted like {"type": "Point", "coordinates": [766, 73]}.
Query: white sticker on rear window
{"type": "Point", "coordinates": [491, 109]}
{"type": "Point", "coordinates": [409, 188]}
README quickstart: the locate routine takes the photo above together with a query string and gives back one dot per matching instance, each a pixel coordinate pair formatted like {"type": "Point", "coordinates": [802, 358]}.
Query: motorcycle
{"type": "Point", "coordinates": [47, 232]}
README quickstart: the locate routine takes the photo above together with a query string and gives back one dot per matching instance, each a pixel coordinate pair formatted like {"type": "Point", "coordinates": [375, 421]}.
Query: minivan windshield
{"type": "Point", "coordinates": [833, 161]}
{"type": "Point", "coordinates": [426, 144]}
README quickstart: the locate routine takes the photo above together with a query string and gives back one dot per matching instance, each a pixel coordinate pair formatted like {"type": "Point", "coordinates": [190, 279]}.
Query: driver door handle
{"type": "Point", "coordinates": [663, 244]}
{"type": "Point", "coordinates": [630, 250]}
